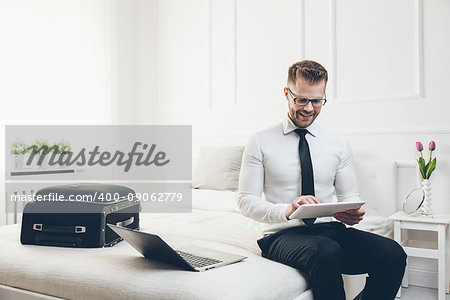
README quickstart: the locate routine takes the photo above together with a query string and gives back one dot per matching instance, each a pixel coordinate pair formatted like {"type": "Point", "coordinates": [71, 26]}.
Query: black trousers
{"type": "Point", "coordinates": [325, 250]}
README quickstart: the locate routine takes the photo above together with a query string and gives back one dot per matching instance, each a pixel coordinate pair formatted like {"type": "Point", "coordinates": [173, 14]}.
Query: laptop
{"type": "Point", "coordinates": [190, 258]}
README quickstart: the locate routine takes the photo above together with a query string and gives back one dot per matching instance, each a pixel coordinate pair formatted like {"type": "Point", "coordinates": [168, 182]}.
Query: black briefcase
{"type": "Point", "coordinates": [76, 215]}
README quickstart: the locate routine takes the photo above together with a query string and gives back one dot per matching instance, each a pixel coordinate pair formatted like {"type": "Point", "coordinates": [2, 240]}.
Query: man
{"type": "Point", "coordinates": [299, 162]}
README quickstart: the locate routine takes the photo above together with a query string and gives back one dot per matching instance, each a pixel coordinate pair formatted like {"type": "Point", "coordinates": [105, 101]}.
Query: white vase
{"type": "Point", "coordinates": [426, 206]}
{"type": "Point", "coordinates": [18, 161]}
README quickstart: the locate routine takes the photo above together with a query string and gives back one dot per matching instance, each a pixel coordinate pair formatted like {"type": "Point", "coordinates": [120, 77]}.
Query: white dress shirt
{"type": "Point", "coordinates": [270, 177]}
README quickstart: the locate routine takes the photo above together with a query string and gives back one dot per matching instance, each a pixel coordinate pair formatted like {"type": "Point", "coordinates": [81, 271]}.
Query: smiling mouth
{"type": "Point", "coordinates": [304, 116]}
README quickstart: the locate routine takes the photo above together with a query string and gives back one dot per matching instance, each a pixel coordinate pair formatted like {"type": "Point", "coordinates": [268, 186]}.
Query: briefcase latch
{"type": "Point", "coordinates": [37, 227]}
{"type": "Point", "coordinates": [80, 229]}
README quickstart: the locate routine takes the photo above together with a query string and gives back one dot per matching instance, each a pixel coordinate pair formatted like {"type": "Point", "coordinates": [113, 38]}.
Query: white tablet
{"type": "Point", "coordinates": [323, 209]}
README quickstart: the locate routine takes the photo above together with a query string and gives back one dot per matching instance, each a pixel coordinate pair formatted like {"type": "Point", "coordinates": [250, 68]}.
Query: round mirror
{"type": "Point", "coordinates": [413, 201]}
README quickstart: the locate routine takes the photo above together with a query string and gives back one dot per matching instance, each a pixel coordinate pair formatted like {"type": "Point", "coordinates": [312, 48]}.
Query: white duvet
{"type": "Point", "coordinates": [121, 272]}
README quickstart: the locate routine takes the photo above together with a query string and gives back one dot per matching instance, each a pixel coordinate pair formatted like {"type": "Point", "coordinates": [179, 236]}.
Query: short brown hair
{"type": "Point", "coordinates": [308, 70]}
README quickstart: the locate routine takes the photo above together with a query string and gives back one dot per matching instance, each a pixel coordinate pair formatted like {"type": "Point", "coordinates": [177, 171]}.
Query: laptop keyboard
{"type": "Point", "coordinates": [198, 261]}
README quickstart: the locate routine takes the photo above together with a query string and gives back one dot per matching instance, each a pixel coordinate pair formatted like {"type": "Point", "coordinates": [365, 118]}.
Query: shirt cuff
{"type": "Point", "coordinates": [279, 213]}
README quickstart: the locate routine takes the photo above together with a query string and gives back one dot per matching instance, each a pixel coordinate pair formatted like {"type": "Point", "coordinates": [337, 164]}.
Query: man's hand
{"type": "Point", "coordinates": [308, 199]}
{"type": "Point", "coordinates": [351, 216]}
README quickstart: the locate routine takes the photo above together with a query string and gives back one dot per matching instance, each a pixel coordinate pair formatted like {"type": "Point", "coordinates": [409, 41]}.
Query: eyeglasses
{"type": "Point", "coordinates": [303, 101]}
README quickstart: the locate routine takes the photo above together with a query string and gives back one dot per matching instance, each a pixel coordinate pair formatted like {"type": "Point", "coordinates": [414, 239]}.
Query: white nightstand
{"type": "Point", "coordinates": [437, 223]}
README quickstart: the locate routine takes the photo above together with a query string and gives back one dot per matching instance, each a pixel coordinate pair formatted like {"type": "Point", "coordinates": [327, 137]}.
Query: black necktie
{"type": "Point", "coordinates": [306, 169]}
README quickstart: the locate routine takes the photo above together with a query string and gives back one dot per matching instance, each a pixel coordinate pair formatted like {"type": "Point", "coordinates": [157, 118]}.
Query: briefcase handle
{"type": "Point", "coordinates": [59, 229]}
{"type": "Point", "coordinates": [73, 229]}
{"type": "Point", "coordinates": [125, 222]}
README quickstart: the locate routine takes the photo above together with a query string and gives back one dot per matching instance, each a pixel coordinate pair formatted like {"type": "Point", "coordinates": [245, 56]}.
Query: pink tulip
{"type": "Point", "coordinates": [419, 146]}
{"type": "Point", "coordinates": [432, 146]}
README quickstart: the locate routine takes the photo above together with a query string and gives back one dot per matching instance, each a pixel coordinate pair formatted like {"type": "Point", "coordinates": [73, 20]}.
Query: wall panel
{"type": "Point", "coordinates": [394, 69]}
{"type": "Point", "coordinates": [182, 54]}
{"type": "Point", "coordinates": [269, 39]}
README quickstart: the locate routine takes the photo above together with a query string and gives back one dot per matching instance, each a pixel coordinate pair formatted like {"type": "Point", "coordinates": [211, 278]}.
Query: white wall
{"type": "Point", "coordinates": [55, 59]}
{"type": "Point", "coordinates": [221, 66]}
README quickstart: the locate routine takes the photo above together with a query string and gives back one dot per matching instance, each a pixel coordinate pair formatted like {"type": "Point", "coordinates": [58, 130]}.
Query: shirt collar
{"type": "Point", "coordinates": [289, 126]}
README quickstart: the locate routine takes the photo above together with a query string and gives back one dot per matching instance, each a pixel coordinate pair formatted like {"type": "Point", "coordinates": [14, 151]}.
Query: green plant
{"type": "Point", "coordinates": [19, 147]}
{"type": "Point", "coordinates": [63, 147]}
{"type": "Point", "coordinates": [41, 146]}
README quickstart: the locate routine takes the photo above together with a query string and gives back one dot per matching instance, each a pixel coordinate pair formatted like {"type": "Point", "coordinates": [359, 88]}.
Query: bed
{"type": "Point", "coordinates": [120, 272]}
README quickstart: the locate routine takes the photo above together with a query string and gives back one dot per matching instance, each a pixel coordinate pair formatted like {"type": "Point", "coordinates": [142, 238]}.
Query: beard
{"type": "Point", "coordinates": [302, 118]}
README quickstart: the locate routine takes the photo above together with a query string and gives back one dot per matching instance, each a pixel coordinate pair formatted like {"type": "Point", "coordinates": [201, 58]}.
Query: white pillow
{"type": "Point", "coordinates": [215, 200]}
{"type": "Point", "coordinates": [217, 168]}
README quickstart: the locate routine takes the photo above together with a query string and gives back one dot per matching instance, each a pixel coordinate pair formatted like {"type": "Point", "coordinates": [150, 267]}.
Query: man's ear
{"type": "Point", "coordinates": [286, 93]}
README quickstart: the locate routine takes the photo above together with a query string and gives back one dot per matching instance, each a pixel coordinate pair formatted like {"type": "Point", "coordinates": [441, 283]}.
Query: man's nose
{"type": "Point", "coordinates": [309, 107]}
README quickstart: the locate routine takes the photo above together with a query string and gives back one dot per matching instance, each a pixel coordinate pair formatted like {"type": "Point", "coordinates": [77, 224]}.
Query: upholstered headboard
{"type": "Point", "coordinates": [385, 184]}
{"type": "Point", "coordinates": [377, 182]}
